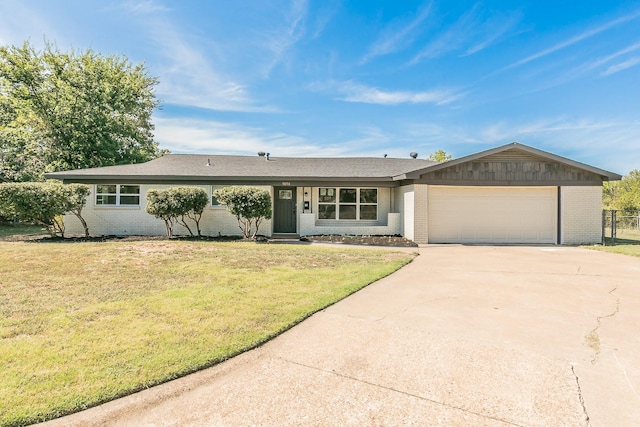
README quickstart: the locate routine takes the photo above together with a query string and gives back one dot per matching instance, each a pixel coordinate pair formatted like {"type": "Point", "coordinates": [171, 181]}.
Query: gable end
{"type": "Point", "coordinates": [511, 167]}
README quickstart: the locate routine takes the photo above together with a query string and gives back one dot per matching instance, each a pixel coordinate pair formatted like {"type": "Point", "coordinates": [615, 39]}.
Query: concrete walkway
{"type": "Point", "coordinates": [464, 335]}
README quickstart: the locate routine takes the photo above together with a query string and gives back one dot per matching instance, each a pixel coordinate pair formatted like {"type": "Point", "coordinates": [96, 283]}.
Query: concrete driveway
{"type": "Point", "coordinates": [464, 335]}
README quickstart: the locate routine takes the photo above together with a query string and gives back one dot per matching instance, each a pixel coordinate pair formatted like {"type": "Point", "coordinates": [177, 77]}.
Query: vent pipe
{"type": "Point", "coordinates": [208, 162]}
{"type": "Point", "coordinates": [268, 154]}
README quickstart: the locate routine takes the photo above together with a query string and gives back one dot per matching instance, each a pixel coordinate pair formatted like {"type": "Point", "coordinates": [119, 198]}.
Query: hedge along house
{"type": "Point", "coordinates": [509, 194]}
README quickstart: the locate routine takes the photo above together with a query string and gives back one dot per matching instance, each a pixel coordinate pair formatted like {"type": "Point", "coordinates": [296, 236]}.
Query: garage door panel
{"type": "Point", "coordinates": [492, 214]}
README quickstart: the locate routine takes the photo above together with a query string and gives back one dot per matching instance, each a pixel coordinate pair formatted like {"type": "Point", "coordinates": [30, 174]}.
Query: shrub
{"type": "Point", "coordinates": [192, 201]}
{"type": "Point", "coordinates": [77, 194]}
{"type": "Point", "coordinates": [44, 203]}
{"type": "Point", "coordinates": [250, 205]}
{"type": "Point", "coordinates": [161, 205]}
{"type": "Point", "coordinates": [176, 204]}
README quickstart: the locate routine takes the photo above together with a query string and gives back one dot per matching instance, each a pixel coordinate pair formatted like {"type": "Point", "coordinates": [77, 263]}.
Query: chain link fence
{"type": "Point", "coordinates": [620, 227]}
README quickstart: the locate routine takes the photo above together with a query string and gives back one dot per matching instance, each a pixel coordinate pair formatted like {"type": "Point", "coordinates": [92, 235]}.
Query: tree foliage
{"type": "Point", "coordinates": [77, 197]}
{"type": "Point", "coordinates": [176, 204]}
{"type": "Point", "coordinates": [44, 203]}
{"type": "Point", "coordinates": [623, 195]}
{"type": "Point", "coordinates": [440, 156]}
{"type": "Point", "coordinates": [192, 200]}
{"type": "Point", "coordinates": [61, 111]}
{"type": "Point", "coordinates": [250, 206]}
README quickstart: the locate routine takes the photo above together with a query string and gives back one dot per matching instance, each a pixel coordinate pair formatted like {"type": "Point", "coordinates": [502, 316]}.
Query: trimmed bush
{"type": "Point", "coordinates": [176, 205]}
{"type": "Point", "coordinates": [43, 203]}
{"type": "Point", "coordinates": [250, 206]}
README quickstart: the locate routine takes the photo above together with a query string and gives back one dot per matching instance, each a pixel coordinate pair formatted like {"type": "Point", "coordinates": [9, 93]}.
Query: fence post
{"type": "Point", "coordinates": [613, 227]}
{"type": "Point", "coordinates": [604, 224]}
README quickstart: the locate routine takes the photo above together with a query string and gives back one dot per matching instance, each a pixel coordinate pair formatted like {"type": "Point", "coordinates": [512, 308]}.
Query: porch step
{"type": "Point", "coordinates": [284, 238]}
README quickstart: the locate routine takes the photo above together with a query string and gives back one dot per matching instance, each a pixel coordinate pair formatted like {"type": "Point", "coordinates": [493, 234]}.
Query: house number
{"type": "Point", "coordinates": [286, 183]}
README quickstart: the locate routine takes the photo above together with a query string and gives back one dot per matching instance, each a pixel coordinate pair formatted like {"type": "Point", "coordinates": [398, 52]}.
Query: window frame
{"type": "Point", "coordinates": [118, 195]}
{"type": "Point", "coordinates": [337, 203]}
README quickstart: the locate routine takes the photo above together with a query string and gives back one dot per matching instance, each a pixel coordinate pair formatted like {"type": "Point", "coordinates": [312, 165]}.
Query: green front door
{"type": "Point", "coordinates": [284, 212]}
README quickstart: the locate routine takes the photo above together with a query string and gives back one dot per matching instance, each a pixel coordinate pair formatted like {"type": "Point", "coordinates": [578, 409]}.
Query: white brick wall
{"type": "Point", "coordinates": [420, 219]}
{"type": "Point", "coordinates": [308, 227]}
{"type": "Point", "coordinates": [124, 221]}
{"type": "Point", "coordinates": [406, 200]}
{"type": "Point", "coordinates": [581, 215]}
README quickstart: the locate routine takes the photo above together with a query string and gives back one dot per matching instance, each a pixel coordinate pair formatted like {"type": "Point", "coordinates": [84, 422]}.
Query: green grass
{"type": "Point", "coordinates": [10, 230]}
{"type": "Point", "coordinates": [625, 236]}
{"type": "Point", "coordinates": [84, 323]}
{"type": "Point", "coordinates": [627, 243]}
{"type": "Point", "coordinates": [624, 249]}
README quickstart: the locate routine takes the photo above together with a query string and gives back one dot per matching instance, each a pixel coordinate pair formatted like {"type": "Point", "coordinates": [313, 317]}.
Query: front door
{"type": "Point", "coordinates": [284, 212]}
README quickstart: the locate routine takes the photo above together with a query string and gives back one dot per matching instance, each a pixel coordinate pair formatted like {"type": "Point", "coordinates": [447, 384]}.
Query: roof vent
{"type": "Point", "coordinates": [261, 153]}
{"type": "Point", "coordinates": [385, 156]}
{"type": "Point", "coordinates": [208, 162]}
{"type": "Point", "coordinates": [268, 154]}
{"type": "Point", "coordinates": [413, 155]}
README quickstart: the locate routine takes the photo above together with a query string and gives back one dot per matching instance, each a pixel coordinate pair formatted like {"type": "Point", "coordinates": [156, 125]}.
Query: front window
{"type": "Point", "coordinates": [348, 203]}
{"type": "Point", "coordinates": [214, 201]}
{"type": "Point", "coordinates": [117, 195]}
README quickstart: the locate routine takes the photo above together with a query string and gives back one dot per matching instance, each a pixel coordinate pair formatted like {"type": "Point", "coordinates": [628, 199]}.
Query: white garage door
{"type": "Point", "coordinates": [492, 214]}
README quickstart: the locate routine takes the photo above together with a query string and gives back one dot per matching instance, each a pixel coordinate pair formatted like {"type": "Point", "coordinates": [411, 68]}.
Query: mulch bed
{"type": "Point", "coordinates": [349, 240]}
{"type": "Point", "coordinates": [363, 240]}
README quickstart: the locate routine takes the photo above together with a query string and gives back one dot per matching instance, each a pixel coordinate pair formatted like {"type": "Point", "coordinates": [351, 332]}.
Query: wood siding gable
{"type": "Point", "coordinates": [511, 167]}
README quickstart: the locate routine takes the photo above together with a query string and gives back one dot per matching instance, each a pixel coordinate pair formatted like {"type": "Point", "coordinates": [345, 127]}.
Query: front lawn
{"type": "Point", "coordinates": [84, 323]}
{"type": "Point", "coordinates": [627, 243]}
{"type": "Point", "coordinates": [10, 230]}
{"type": "Point", "coordinates": [625, 249]}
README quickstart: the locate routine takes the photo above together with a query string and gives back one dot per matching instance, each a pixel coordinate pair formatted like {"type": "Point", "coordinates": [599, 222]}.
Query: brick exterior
{"type": "Point", "coordinates": [123, 221]}
{"type": "Point", "coordinates": [309, 227]}
{"type": "Point", "coordinates": [420, 220]}
{"type": "Point", "coordinates": [581, 215]}
{"type": "Point", "coordinates": [405, 200]}
{"type": "Point", "coordinates": [401, 210]}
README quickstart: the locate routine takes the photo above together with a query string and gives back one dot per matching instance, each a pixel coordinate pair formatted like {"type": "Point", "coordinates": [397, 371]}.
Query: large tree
{"type": "Point", "coordinates": [623, 195]}
{"type": "Point", "coordinates": [72, 110]}
{"type": "Point", "coordinates": [440, 156]}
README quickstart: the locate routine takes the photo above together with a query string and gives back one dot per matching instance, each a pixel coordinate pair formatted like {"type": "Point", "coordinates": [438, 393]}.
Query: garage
{"type": "Point", "coordinates": [508, 215]}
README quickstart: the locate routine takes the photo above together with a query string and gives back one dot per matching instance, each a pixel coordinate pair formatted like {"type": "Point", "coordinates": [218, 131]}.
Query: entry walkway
{"type": "Point", "coordinates": [464, 335]}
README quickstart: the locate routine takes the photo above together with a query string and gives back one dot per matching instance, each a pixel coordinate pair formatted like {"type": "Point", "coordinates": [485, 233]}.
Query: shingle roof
{"type": "Point", "coordinates": [198, 166]}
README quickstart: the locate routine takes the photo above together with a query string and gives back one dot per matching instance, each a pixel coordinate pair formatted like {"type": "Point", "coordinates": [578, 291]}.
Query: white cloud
{"type": "Point", "coordinates": [19, 23]}
{"type": "Point", "coordinates": [450, 39]}
{"type": "Point", "coordinates": [471, 33]}
{"type": "Point", "coordinates": [576, 39]}
{"type": "Point", "coordinates": [622, 66]}
{"type": "Point", "coordinates": [212, 137]}
{"type": "Point", "coordinates": [602, 61]}
{"type": "Point", "coordinates": [187, 74]}
{"type": "Point", "coordinates": [491, 32]}
{"type": "Point", "coordinates": [280, 41]}
{"type": "Point", "coordinates": [396, 36]}
{"type": "Point", "coordinates": [354, 92]}
{"type": "Point", "coordinates": [143, 6]}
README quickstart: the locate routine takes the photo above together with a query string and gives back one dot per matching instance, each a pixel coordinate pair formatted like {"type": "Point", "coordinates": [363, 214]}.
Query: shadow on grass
{"type": "Point", "coordinates": [618, 241]}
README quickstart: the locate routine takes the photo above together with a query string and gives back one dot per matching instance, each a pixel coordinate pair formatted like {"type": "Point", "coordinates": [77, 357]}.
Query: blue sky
{"type": "Point", "coordinates": [350, 78]}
